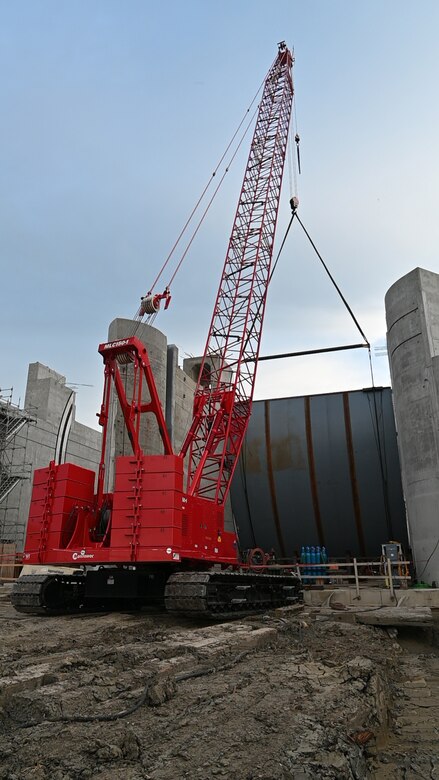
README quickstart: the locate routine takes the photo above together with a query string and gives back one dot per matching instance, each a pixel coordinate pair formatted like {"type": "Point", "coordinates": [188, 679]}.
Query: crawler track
{"type": "Point", "coordinates": [216, 595]}
{"type": "Point", "coordinates": [48, 594]}
{"type": "Point", "coordinates": [228, 594]}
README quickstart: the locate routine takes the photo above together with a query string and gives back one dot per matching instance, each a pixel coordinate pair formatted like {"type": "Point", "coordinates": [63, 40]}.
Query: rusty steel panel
{"type": "Point", "coordinates": [321, 470]}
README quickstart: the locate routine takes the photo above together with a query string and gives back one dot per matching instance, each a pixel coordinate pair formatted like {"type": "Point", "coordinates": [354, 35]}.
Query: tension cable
{"type": "Point", "coordinates": [378, 438]}
{"type": "Point", "coordinates": [151, 303]}
{"type": "Point", "coordinates": [333, 282]}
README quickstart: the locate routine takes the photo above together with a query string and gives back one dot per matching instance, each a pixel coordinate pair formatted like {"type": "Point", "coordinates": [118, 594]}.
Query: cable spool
{"type": "Point", "coordinates": [124, 358]}
{"type": "Point", "coordinates": [257, 559]}
{"type": "Point", "coordinates": [150, 304]}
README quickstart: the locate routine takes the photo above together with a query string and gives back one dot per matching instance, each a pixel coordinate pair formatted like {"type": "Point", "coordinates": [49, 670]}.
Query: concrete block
{"type": "Point", "coordinates": [373, 597]}
{"type": "Point", "coordinates": [27, 680]}
{"type": "Point", "coordinates": [397, 616]}
{"type": "Point", "coordinates": [421, 597]}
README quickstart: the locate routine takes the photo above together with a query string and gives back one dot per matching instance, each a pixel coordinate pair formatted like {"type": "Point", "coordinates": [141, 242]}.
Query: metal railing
{"type": "Point", "coordinates": [391, 573]}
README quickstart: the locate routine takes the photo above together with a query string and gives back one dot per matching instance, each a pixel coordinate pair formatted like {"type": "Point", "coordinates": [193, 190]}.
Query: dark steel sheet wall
{"type": "Point", "coordinates": [310, 472]}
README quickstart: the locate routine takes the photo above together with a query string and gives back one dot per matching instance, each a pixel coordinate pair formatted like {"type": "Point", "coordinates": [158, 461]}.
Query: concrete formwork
{"type": "Point", "coordinates": [412, 312]}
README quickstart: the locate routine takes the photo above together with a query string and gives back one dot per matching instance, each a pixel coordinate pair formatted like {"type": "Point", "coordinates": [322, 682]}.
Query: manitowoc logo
{"type": "Point", "coordinates": [113, 344]}
{"type": "Point", "coordinates": [81, 555]}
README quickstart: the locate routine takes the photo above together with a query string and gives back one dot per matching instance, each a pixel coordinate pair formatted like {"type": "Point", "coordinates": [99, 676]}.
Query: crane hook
{"type": "Point", "coordinates": [294, 202]}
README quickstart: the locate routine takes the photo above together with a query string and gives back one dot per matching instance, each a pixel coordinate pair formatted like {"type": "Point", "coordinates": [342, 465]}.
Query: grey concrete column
{"type": "Point", "coordinates": [150, 439]}
{"type": "Point", "coordinates": [412, 312]}
{"type": "Point", "coordinates": [171, 368]}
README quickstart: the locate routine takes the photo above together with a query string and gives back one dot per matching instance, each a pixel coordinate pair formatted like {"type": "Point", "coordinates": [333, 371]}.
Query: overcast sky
{"type": "Point", "coordinates": [114, 113]}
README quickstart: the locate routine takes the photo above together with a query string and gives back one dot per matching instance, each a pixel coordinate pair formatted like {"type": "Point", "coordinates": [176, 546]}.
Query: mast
{"type": "Point", "coordinates": [223, 396]}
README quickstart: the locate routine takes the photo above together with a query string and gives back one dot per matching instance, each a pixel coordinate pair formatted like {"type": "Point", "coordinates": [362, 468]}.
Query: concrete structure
{"type": "Point", "coordinates": [155, 342]}
{"type": "Point", "coordinates": [180, 388]}
{"type": "Point", "coordinates": [412, 311]}
{"type": "Point", "coordinates": [174, 386]}
{"type": "Point", "coordinates": [372, 597]}
{"type": "Point", "coordinates": [54, 435]}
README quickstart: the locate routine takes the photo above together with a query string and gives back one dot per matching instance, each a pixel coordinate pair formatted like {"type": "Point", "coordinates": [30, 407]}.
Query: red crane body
{"type": "Point", "coordinates": [150, 517]}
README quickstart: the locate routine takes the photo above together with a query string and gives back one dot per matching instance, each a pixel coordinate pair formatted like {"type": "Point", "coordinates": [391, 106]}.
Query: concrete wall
{"type": "Point", "coordinates": [181, 404]}
{"type": "Point", "coordinates": [191, 371]}
{"type": "Point", "coordinates": [412, 312]}
{"type": "Point", "coordinates": [46, 398]}
{"type": "Point", "coordinates": [155, 342]}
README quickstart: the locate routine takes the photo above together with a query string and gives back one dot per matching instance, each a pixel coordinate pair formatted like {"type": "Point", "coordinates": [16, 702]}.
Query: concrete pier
{"type": "Point", "coordinates": [412, 312]}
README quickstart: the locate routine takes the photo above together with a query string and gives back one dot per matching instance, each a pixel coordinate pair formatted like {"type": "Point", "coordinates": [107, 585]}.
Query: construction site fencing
{"type": "Point", "coordinates": [385, 572]}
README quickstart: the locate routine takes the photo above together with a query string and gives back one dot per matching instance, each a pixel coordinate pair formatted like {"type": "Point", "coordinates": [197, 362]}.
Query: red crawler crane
{"type": "Point", "coordinates": [150, 536]}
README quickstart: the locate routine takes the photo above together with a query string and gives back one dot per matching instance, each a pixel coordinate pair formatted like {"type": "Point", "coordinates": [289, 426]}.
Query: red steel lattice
{"type": "Point", "coordinates": [224, 393]}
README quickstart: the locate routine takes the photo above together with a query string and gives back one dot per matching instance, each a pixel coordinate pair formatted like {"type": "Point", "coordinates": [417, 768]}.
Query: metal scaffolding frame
{"type": "Point", "coordinates": [14, 431]}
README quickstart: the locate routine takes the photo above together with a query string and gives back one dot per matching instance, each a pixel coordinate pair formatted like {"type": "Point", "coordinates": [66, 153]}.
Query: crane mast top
{"type": "Point", "coordinates": [224, 392]}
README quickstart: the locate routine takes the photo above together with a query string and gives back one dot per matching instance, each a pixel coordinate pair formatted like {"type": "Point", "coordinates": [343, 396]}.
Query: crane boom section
{"type": "Point", "coordinates": [224, 392]}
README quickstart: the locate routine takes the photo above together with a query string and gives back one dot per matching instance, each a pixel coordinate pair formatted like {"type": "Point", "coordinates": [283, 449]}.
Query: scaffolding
{"type": "Point", "coordinates": [14, 469]}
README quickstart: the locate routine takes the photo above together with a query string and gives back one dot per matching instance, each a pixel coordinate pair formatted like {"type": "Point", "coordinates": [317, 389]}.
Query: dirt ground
{"type": "Point", "coordinates": [146, 696]}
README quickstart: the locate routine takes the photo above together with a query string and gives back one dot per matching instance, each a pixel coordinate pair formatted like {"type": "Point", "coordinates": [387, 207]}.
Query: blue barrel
{"type": "Point", "coordinates": [308, 561]}
{"type": "Point", "coordinates": [313, 561]}
{"type": "Point", "coordinates": [324, 557]}
{"type": "Point", "coordinates": [302, 559]}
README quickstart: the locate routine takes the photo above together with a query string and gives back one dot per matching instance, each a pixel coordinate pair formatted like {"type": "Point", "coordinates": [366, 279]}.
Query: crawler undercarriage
{"type": "Point", "coordinates": [210, 594]}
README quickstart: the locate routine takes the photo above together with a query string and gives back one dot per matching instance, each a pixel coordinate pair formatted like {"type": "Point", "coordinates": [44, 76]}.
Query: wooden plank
{"type": "Point", "coordinates": [7, 559]}
{"type": "Point", "coordinates": [397, 616]}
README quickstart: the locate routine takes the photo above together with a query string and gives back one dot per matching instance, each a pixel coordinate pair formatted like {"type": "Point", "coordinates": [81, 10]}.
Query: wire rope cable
{"type": "Point", "coordinates": [377, 434]}
{"type": "Point", "coordinates": [357, 324]}
{"type": "Point", "coordinates": [152, 315]}
{"type": "Point", "coordinates": [203, 193]}
{"type": "Point", "coordinates": [419, 576]}
{"type": "Point", "coordinates": [212, 198]}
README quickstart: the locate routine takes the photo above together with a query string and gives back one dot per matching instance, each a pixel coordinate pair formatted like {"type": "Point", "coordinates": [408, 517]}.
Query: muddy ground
{"type": "Point", "coordinates": [147, 696]}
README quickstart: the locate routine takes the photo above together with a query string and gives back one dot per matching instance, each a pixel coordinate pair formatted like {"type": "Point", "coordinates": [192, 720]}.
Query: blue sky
{"type": "Point", "coordinates": [114, 113]}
